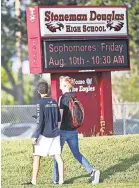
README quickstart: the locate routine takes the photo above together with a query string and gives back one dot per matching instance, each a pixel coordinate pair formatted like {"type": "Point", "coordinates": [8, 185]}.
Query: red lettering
{"type": "Point", "coordinates": [47, 16]}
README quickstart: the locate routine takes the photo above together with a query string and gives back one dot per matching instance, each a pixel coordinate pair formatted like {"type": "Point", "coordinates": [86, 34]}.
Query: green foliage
{"type": "Point", "coordinates": [8, 34]}
{"type": "Point", "coordinates": [117, 157]}
{"type": "Point", "coordinates": [5, 78]}
{"type": "Point", "coordinates": [28, 88]}
{"type": "Point", "coordinates": [4, 75]}
{"type": "Point", "coordinates": [126, 86]}
{"type": "Point", "coordinates": [7, 99]}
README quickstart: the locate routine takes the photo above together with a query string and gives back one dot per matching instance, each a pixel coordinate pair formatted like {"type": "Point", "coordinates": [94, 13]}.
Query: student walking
{"type": "Point", "coordinates": [69, 134]}
{"type": "Point", "coordinates": [47, 138]}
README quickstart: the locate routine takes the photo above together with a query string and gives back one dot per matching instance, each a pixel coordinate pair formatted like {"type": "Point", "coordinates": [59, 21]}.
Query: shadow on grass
{"type": "Point", "coordinates": [71, 180]}
{"type": "Point", "coordinates": [120, 167]}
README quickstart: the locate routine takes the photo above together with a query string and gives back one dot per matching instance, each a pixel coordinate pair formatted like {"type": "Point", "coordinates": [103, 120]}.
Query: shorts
{"type": "Point", "coordinates": [47, 146]}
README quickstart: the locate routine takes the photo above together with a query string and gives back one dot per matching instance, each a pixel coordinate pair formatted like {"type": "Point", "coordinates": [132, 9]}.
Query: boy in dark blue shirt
{"type": "Point", "coordinates": [47, 138]}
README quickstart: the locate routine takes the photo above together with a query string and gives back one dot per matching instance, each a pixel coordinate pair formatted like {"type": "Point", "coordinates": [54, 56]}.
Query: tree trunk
{"type": "Point", "coordinates": [20, 90]}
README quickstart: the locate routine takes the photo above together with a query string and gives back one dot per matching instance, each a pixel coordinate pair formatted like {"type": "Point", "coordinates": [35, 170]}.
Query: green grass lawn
{"type": "Point", "coordinates": [116, 156]}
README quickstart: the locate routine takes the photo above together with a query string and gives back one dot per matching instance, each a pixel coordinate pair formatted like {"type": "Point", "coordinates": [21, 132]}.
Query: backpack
{"type": "Point", "coordinates": [77, 112]}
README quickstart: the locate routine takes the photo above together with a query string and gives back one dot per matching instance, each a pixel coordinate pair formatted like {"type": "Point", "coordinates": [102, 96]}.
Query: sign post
{"type": "Point", "coordinates": [86, 43]}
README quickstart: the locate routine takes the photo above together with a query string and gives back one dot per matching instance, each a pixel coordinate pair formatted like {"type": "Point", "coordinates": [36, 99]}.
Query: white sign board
{"type": "Point", "coordinates": [83, 21]}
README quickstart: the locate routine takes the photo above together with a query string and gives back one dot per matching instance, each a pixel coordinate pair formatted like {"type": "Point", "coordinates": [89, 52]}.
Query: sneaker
{"type": "Point", "coordinates": [54, 182]}
{"type": "Point", "coordinates": [95, 176]}
{"type": "Point", "coordinates": [61, 182]}
{"type": "Point", "coordinates": [57, 182]}
{"type": "Point", "coordinates": [28, 183]}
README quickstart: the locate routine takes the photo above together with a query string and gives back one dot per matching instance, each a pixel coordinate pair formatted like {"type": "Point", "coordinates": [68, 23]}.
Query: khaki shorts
{"type": "Point", "coordinates": [47, 146]}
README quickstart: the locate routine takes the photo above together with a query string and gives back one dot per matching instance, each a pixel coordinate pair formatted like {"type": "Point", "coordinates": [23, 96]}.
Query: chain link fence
{"type": "Point", "coordinates": [126, 118]}
{"type": "Point", "coordinates": [17, 120]}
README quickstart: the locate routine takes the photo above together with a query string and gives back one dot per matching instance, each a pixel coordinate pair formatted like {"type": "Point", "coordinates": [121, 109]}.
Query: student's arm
{"type": "Point", "coordinates": [40, 119]}
{"type": "Point", "coordinates": [61, 107]}
{"type": "Point", "coordinates": [60, 118]}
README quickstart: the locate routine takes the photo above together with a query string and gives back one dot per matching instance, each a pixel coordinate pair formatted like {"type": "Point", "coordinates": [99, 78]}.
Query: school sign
{"type": "Point", "coordinates": [83, 21]}
{"type": "Point", "coordinates": [85, 43]}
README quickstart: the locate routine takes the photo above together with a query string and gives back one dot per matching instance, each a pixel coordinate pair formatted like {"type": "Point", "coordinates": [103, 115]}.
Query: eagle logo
{"type": "Point", "coordinates": [54, 26]}
{"type": "Point", "coordinates": [116, 25]}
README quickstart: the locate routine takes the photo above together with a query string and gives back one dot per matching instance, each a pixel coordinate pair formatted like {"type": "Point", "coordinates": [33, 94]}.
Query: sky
{"type": "Point", "coordinates": [25, 66]}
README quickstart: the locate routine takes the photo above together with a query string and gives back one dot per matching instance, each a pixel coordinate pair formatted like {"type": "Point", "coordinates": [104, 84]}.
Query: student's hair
{"type": "Point", "coordinates": [69, 81]}
{"type": "Point", "coordinates": [43, 87]}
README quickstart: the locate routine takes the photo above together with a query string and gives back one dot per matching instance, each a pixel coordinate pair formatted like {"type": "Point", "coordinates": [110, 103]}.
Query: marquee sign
{"type": "Point", "coordinates": [110, 54]}
{"type": "Point", "coordinates": [80, 38]}
{"type": "Point", "coordinates": [83, 21]}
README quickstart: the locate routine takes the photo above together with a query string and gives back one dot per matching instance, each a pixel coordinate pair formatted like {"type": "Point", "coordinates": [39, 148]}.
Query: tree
{"type": "Point", "coordinates": [13, 33]}
{"type": "Point", "coordinates": [126, 84]}
{"type": "Point", "coordinates": [49, 2]}
{"type": "Point", "coordinates": [9, 27]}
